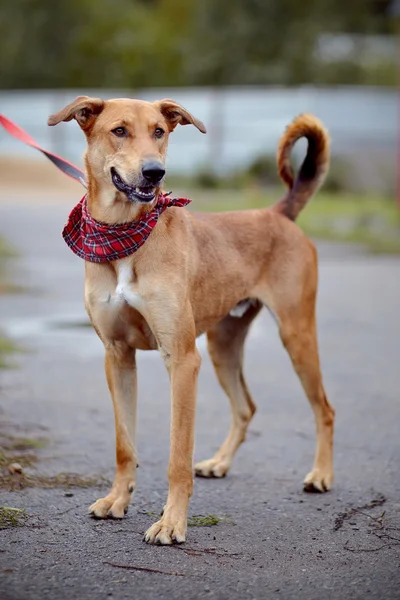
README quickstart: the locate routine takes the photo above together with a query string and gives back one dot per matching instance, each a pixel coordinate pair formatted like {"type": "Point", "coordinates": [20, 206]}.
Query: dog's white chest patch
{"type": "Point", "coordinates": [125, 290]}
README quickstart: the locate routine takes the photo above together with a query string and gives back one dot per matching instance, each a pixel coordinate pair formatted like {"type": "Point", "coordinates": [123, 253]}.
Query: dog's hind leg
{"type": "Point", "coordinates": [225, 345]}
{"type": "Point", "coordinates": [299, 337]}
{"type": "Point", "coordinates": [291, 294]}
{"type": "Point", "coordinates": [121, 375]}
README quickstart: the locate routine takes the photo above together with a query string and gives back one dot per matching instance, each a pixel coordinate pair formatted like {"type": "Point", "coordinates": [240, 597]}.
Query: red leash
{"type": "Point", "coordinates": [64, 166]}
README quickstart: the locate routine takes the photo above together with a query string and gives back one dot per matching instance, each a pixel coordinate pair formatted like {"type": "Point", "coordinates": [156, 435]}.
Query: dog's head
{"type": "Point", "coordinates": [127, 145]}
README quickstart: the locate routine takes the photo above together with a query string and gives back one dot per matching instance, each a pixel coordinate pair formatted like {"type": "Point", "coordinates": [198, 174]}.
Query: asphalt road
{"type": "Point", "coordinates": [273, 541]}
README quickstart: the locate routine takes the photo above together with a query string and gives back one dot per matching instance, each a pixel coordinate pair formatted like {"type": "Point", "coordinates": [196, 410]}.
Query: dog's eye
{"type": "Point", "coordinates": [120, 132]}
{"type": "Point", "coordinates": [159, 133]}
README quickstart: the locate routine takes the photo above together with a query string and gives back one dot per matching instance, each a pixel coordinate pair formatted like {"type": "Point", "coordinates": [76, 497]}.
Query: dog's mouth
{"type": "Point", "coordinates": [143, 193]}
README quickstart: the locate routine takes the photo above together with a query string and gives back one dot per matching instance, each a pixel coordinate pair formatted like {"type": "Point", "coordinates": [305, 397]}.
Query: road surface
{"type": "Point", "coordinates": [273, 541]}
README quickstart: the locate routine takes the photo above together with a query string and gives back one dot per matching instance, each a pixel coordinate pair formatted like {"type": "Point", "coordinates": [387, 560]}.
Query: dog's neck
{"type": "Point", "coordinates": [107, 205]}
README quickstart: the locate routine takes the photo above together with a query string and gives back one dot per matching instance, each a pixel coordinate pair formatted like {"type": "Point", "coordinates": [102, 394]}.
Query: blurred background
{"type": "Point", "coordinates": [246, 68]}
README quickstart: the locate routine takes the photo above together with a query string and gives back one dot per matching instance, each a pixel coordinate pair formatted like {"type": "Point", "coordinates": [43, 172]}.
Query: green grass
{"type": "Point", "coordinates": [12, 517]}
{"type": "Point", "coordinates": [6, 251]}
{"type": "Point", "coordinates": [197, 520]}
{"type": "Point", "coordinates": [6, 349]}
{"type": "Point", "coordinates": [6, 346]}
{"type": "Point", "coordinates": [203, 521]}
{"type": "Point", "coordinates": [26, 443]}
{"type": "Point", "coordinates": [371, 220]}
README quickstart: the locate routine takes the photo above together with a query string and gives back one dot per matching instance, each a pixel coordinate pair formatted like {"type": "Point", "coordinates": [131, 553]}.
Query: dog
{"type": "Point", "coordinates": [194, 274]}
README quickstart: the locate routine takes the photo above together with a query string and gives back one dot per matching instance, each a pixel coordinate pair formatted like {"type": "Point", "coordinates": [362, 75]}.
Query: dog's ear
{"type": "Point", "coordinates": [83, 109]}
{"type": "Point", "coordinates": [175, 115]}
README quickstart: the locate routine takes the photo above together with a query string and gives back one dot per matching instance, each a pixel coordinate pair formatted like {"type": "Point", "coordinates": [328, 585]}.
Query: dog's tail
{"type": "Point", "coordinates": [313, 169]}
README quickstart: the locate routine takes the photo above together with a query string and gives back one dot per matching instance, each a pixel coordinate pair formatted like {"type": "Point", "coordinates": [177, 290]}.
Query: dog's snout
{"type": "Point", "coordinates": [153, 172]}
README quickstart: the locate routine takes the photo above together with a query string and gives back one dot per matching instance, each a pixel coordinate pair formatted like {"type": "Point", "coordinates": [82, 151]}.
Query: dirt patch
{"type": "Point", "coordinates": [19, 481]}
{"type": "Point", "coordinates": [83, 324]}
{"type": "Point", "coordinates": [22, 451]}
{"type": "Point", "coordinates": [26, 174]}
{"type": "Point", "coordinates": [19, 450]}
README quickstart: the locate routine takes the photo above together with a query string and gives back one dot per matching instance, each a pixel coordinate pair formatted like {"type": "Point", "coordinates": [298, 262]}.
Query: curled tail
{"type": "Point", "coordinates": [313, 169]}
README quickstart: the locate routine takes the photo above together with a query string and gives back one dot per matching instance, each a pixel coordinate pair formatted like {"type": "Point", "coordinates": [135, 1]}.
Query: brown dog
{"type": "Point", "coordinates": [187, 279]}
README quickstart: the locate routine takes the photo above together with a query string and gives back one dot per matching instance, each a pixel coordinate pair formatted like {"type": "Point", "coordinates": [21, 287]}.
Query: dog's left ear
{"type": "Point", "coordinates": [175, 114]}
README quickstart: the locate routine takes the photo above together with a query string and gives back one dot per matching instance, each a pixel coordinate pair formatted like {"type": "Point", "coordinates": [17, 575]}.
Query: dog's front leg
{"type": "Point", "coordinates": [120, 366]}
{"type": "Point", "coordinates": [183, 371]}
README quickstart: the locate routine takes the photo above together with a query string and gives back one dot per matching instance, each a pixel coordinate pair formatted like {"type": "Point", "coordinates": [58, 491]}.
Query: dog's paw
{"type": "Point", "coordinates": [318, 480]}
{"type": "Point", "coordinates": [115, 505]}
{"type": "Point", "coordinates": [212, 468]}
{"type": "Point", "coordinates": [165, 532]}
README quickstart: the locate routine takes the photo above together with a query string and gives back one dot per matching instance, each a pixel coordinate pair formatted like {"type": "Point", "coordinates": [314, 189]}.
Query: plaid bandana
{"type": "Point", "coordinates": [99, 242]}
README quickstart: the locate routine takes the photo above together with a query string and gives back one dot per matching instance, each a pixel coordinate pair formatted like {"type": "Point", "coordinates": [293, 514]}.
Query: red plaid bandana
{"type": "Point", "coordinates": [99, 242]}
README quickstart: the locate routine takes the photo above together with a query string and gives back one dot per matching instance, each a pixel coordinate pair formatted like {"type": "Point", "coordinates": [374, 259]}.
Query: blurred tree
{"type": "Point", "coordinates": [36, 38]}
{"type": "Point", "coordinates": [359, 16]}
{"type": "Point", "coordinates": [136, 43]}
{"type": "Point", "coordinates": [130, 43]}
{"type": "Point", "coordinates": [247, 41]}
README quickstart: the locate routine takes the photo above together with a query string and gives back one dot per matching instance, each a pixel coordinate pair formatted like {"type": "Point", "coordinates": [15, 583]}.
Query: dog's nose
{"type": "Point", "coordinates": [153, 172]}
